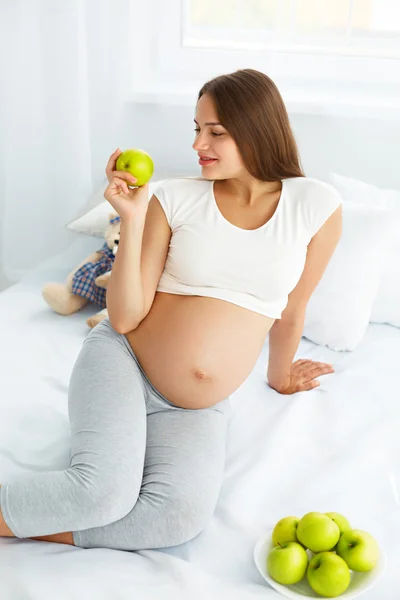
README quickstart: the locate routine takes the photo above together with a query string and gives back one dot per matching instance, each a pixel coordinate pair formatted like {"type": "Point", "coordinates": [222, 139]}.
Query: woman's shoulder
{"type": "Point", "coordinates": [311, 186]}
{"type": "Point", "coordinates": [316, 200]}
{"type": "Point", "coordinates": [312, 194]}
{"type": "Point", "coordinates": [177, 194]}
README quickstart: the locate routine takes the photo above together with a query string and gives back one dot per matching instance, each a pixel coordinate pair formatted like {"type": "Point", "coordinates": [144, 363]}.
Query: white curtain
{"type": "Point", "coordinates": [65, 73]}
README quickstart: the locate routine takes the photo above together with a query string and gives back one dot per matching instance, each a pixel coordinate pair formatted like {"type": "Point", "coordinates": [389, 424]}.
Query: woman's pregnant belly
{"type": "Point", "coordinates": [196, 350]}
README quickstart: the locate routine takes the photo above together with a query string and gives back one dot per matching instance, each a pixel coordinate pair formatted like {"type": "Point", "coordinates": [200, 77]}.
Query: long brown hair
{"type": "Point", "coordinates": [251, 109]}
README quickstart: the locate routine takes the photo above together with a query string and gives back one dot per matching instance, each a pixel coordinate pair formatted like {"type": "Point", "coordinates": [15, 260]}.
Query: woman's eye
{"type": "Point", "coordinates": [212, 133]}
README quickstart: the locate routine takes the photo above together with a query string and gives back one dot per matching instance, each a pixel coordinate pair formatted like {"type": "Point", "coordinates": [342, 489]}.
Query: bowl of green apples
{"type": "Point", "coordinates": [319, 556]}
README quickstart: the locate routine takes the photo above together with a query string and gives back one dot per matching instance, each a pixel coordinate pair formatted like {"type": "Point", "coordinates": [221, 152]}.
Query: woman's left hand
{"type": "Point", "coordinates": [302, 376]}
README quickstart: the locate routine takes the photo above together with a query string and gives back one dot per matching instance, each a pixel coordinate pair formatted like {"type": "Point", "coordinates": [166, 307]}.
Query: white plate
{"type": "Point", "coordinates": [360, 582]}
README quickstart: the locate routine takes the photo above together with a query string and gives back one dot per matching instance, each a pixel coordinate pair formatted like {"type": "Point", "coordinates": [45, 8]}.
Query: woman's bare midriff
{"type": "Point", "coordinates": [197, 350]}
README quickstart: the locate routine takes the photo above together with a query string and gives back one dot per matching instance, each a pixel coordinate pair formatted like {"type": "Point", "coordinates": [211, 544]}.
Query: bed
{"type": "Point", "coordinates": [335, 448]}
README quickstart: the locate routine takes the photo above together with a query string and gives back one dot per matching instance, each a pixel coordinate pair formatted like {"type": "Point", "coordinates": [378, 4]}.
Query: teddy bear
{"type": "Point", "coordinates": [88, 281]}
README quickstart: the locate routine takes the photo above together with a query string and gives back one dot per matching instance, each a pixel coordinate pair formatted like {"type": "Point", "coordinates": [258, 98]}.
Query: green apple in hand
{"type": "Point", "coordinates": [287, 563]}
{"type": "Point", "coordinates": [359, 549]}
{"type": "Point", "coordinates": [138, 163]}
{"type": "Point", "coordinates": [285, 531]}
{"type": "Point", "coordinates": [340, 521]}
{"type": "Point", "coordinates": [328, 574]}
{"type": "Point", "coordinates": [317, 532]}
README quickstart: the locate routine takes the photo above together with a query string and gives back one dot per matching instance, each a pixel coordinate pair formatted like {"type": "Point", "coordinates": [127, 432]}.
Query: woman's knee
{"type": "Point", "coordinates": [115, 506]}
{"type": "Point", "coordinates": [101, 501]}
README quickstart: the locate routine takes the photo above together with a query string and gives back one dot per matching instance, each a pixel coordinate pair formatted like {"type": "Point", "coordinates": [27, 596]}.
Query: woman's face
{"type": "Point", "coordinates": [213, 141]}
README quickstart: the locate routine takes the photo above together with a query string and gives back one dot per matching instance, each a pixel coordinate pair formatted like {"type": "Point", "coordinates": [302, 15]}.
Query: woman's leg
{"type": "Point", "coordinates": [59, 538]}
{"type": "Point", "coordinates": [108, 439]}
{"type": "Point", "coordinates": [183, 472]}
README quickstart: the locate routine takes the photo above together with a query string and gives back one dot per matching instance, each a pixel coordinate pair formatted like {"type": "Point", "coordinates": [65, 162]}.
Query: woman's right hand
{"type": "Point", "coordinates": [130, 204]}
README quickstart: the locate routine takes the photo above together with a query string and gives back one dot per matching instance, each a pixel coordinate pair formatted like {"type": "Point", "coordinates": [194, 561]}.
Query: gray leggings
{"type": "Point", "coordinates": [144, 473]}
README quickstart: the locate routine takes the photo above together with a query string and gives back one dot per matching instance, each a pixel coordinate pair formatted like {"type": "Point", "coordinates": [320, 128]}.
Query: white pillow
{"type": "Point", "coordinates": [339, 310]}
{"type": "Point", "coordinates": [386, 307]}
{"type": "Point", "coordinates": [94, 221]}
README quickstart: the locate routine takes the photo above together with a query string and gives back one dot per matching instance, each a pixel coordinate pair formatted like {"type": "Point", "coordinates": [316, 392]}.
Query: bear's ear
{"type": "Point", "coordinates": [112, 216]}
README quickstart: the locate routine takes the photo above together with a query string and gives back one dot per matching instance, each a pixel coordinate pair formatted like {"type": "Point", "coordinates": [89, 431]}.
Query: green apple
{"type": "Point", "coordinates": [287, 563]}
{"type": "Point", "coordinates": [328, 574]}
{"type": "Point", "coordinates": [138, 163]}
{"type": "Point", "coordinates": [317, 532]}
{"type": "Point", "coordinates": [359, 549]}
{"type": "Point", "coordinates": [285, 531]}
{"type": "Point", "coordinates": [340, 521]}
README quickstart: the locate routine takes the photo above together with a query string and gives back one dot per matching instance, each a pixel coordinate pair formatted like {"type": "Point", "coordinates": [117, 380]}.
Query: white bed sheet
{"type": "Point", "coordinates": [336, 448]}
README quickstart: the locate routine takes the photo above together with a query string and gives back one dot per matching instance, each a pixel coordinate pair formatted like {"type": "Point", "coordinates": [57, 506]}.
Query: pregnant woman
{"type": "Point", "coordinates": [205, 270]}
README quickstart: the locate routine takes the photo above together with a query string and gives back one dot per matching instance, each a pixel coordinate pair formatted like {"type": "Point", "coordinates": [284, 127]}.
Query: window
{"type": "Point", "coordinates": [326, 56]}
{"type": "Point", "coordinates": [345, 27]}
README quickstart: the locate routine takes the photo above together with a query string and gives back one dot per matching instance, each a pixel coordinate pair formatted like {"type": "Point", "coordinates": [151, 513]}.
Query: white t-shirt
{"type": "Point", "coordinates": [256, 269]}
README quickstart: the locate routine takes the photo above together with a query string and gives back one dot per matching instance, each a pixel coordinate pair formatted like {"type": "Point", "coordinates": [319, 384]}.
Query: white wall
{"type": "Point", "coordinates": [4, 282]}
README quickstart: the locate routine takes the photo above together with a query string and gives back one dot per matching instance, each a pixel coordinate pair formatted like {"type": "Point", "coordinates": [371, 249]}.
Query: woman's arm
{"type": "Point", "coordinates": [285, 334]}
{"type": "Point", "coordinates": [284, 339]}
{"type": "Point", "coordinates": [138, 265]}
{"type": "Point", "coordinates": [125, 298]}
